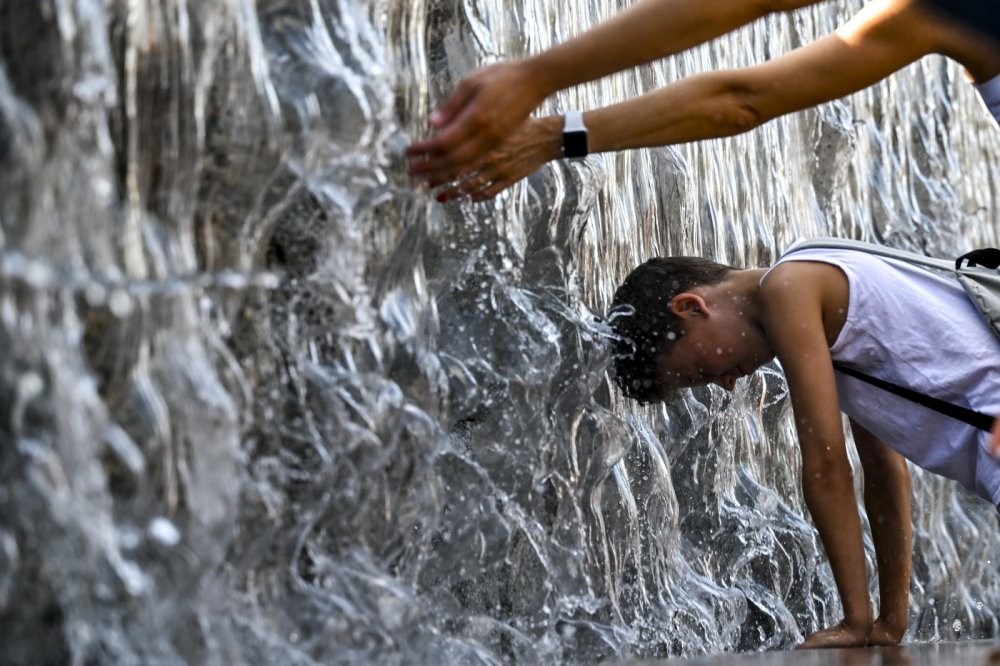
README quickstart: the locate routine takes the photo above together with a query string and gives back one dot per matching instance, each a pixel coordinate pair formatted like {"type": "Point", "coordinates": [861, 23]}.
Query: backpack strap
{"type": "Point", "coordinates": [979, 277]}
{"type": "Point", "coordinates": [964, 414]}
{"type": "Point", "coordinates": [877, 250]}
{"type": "Point", "coordinates": [988, 257]}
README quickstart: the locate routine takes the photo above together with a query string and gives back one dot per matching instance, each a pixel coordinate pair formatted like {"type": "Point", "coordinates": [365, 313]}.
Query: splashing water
{"type": "Point", "coordinates": [262, 401]}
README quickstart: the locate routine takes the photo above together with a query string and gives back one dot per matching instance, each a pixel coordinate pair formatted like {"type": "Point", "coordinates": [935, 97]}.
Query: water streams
{"type": "Point", "coordinates": [263, 401]}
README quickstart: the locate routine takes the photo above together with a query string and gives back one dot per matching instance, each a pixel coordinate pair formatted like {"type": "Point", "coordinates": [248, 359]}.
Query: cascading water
{"type": "Point", "coordinates": [263, 401]}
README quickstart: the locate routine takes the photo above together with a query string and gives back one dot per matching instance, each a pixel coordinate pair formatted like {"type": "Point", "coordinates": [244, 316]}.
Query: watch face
{"type": "Point", "coordinates": [575, 144]}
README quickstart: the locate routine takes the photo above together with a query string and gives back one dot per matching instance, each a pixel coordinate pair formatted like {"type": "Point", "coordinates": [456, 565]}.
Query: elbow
{"type": "Point", "coordinates": [738, 110]}
{"type": "Point", "coordinates": [828, 479]}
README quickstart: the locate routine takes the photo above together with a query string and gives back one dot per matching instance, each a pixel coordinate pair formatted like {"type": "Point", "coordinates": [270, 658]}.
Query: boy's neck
{"type": "Point", "coordinates": [742, 286]}
{"type": "Point", "coordinates": [746, 283]}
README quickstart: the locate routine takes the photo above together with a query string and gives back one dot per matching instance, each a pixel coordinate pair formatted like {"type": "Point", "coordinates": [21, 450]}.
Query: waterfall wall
{"type": "Point", "coordinates": [262, 400]}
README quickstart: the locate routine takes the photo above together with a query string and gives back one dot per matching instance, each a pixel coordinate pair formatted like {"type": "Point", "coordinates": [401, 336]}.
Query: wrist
{"type": "Point", "coordinates": [859, 620]}
{"type": "Point", "coordinates": [858, 610]}
{"type": "Point", "coordinates": [547, 75]}
{"type": "Point", "coordinates": [894, 622]}
{"type": "Point", "coordinates": [547, 137]}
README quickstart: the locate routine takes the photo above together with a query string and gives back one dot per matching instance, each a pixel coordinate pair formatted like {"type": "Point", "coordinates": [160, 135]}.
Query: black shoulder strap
{"type": "Point", "coordinates": [987, 256]}
{"type": "Point", "coordinates": [964, 414]}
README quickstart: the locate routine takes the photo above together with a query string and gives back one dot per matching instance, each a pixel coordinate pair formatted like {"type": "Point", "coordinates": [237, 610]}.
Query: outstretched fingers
{"type": "Point", "coordinates": [485, 110]}
{"type": "Point", "coordinates": [478, 189]}
{"type": "Point", "coordinates": [500, 171]}
{"type": "Point", "coordinates": [522, 154]}
{"type": "Point", "coordinates": [445, 114]}
{"type": "Point", "coordinates": [478, 186]}
{"type": "Point", "coordinates": [442, 157]}
{"type": "Point", "coordinates": [492, 189]}
{"type": "Point", "coordinates": [470, 125]}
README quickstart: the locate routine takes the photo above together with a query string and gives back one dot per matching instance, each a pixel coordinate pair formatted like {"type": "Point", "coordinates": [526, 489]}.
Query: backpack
{"type": "Point", "coordinates": [979, 274]}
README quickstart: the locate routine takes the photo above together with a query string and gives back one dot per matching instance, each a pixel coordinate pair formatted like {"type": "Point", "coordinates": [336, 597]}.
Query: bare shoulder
{"type": "Point", "coordinates": [790, 278]}
{"type": "Point", "coordinates": [807, 291]}
{"type": "Point", "coordinates": [792, 287]}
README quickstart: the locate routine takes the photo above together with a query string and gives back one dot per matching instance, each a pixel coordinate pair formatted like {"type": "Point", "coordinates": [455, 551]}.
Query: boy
{"type": "Point", "coordinates": [687, 321]}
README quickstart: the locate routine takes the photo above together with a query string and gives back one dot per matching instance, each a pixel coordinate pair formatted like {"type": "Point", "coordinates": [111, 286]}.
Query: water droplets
{"type": "Point", "coordinates": [163, 532]}
{"type": "Point", "coordinates": [120, 303]}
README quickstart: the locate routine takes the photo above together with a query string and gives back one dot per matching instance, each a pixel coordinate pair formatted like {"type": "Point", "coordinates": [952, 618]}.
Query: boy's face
{"type": "Point", "coordinates": [720, 343]}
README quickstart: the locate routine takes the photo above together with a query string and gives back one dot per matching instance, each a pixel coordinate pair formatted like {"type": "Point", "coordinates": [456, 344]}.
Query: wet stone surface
{"type": "Point", "coordinates": [966, 653]}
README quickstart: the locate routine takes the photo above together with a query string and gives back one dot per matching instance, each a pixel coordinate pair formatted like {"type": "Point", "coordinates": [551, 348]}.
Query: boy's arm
{"type": "Point", "coordinates": [489, 104]}
{"type": "Point", "coordinates": [792, 307]}
{"type": "Point", "coordinates": [887, 501]}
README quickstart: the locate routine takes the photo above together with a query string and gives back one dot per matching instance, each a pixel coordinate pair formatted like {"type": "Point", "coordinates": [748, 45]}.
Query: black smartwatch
{"type": "Point", "coordinates": [574, 139]}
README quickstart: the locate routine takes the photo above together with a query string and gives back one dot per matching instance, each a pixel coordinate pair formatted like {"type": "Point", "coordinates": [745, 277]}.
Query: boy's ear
{"type": "Point", "coordinates": [687, 305]}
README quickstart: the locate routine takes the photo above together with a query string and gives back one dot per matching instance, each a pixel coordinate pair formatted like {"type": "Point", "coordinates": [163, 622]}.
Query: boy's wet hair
{"type": "Point", "coordinates": [644, 324]}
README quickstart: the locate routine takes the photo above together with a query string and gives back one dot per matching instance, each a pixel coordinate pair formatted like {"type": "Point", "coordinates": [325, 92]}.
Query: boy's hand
{"type": "Point", "coordinates": [884, 633]}
{"type": "Point", "coordinates": [841, 636]}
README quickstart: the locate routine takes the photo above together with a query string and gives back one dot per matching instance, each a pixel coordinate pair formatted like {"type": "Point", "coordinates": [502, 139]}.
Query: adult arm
{"type": "Point", "coordinates": [883, 37]}
{"type": "Point", "coordinates": [887, 501]}
{"type": "Point", "coordinates": [995, 439]}
{"type": "Point", "coordinates": [792, 300]}
{"type": "Point", "coordinates": [489, 104]}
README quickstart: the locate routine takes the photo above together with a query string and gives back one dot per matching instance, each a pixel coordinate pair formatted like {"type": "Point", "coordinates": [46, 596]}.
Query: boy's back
{"type": "Point", "coordinates": [916, 329]}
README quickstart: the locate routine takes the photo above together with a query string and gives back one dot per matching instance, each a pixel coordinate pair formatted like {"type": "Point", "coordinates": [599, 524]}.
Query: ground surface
{"type": "Point", "coordinates": [968, 653]}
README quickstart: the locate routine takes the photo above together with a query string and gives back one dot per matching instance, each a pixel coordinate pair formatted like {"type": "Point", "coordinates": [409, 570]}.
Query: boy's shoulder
{"type": "Point", "coordinates": [805, 293]}
{"type": "Point", "coordinates": [800, 278]}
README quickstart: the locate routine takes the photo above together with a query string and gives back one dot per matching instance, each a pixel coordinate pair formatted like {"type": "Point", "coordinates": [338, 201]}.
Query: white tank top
{"type": "Point", "coordinates": [990, 92]}
{"type": "Point", "coordinates": [917, 329]}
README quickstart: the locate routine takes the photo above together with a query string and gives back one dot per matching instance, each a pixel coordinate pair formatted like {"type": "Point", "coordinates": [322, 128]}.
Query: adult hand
{"type": "Point", "coordinates": [885, 632]}
{"type": "Point", "coordinates": [533, 144]}
{"type": "Point", "coordinates": [485, 109]}
{"type": "Point", "coordinates": [839, 636]}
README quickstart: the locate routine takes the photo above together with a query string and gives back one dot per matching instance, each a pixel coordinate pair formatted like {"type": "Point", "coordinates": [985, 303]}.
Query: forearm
{"type": "Point", "coordinates": [648, 30]}
{"type": "Point", "coordinates": [887, 500]}
{"type": "Point", "coordinates": [705, 106]}
{"type": "Point", "coordinates": [700, 107]}
{"type": "Point", "coordinates": [829, 499]}
{"type": "Point", "coordinates": [725, 103]}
